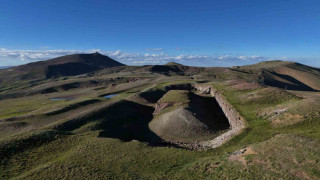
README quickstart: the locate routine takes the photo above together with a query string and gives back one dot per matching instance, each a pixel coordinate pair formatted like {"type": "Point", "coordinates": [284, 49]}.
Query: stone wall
{"type": "Point", "coordinates": [237, 123]}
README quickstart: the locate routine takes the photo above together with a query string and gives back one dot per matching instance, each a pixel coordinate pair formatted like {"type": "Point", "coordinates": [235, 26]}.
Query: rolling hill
{"type": "Point", "coordinates": [281, 74]}
{"type": "Point", "coordinates": [68, 65]}
{"type": "Point", "coordinates": [288, 75]}
{"type": "Point", "coordinates": [169, 121]}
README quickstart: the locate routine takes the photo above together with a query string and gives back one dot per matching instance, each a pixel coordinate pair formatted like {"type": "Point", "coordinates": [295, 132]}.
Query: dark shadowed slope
{"type": "Point", "coordinates": [79, 64]}
{"type": "Point", "coordinates": [281, 74]}
{"type": "Point", "coordinates": [175, 69]}
{"type": "Point", "coordinates": [291, 75]}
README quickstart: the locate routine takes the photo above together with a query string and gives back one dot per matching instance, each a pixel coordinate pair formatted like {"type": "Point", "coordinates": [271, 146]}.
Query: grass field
{"type": "Point", "coordinates": [84, 138]}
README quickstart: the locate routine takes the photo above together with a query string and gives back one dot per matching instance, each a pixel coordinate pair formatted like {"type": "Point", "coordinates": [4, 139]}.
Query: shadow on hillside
{"type": "Point", "coordinates": [125, 120]}
{"type": "Point", "coordinates": [294, 85]}
{"type": "Point", "coordinates": [152, 96]}
{"type": "Point", "coordinates": [240, 71]}
{"type": "Point", "coordinates": [166, 69]}
{"type": "Point", "coordinates": [155, 95]}
{"type": "Point", "coordinates": [208, 111]}
{"type": "Point", "coordinates": [128, 121]}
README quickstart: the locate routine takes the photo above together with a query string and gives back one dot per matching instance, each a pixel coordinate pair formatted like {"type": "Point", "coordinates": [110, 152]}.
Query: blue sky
{"type": "Point", "coordinates": [200, 33]}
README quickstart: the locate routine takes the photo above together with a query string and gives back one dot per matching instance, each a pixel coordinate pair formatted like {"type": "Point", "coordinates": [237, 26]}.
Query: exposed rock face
{"type": "Point", "coordinates": [237, 123]}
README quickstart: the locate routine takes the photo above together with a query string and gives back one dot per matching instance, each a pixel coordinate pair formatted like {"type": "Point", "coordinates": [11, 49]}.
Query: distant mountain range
{"type": "Point", "coordinates": [283, 74]}
{"type": "Point", "coordinates": [4, 67]}
{"type": "Point", "coordinates": [68, 65]}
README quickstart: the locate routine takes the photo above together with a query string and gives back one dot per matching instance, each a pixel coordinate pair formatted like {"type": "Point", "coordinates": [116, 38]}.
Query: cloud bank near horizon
{"type": "Point", "coordinates": [156, 56]}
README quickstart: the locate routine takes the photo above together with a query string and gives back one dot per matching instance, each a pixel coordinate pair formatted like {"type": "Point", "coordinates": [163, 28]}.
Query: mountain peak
{"type": "Point", "coordinates": [96, 53]}
{"type": "Point", "coordinates": [173, 64]}
{"type": "Point", "coordinates": [69, 65]}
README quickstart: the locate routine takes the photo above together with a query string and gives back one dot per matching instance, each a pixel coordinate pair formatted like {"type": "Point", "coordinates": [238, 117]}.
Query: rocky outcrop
{"type": "Point", "coordinates": [237, 123]}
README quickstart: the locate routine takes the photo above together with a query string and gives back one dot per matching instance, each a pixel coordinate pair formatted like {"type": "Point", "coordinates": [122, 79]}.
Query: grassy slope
{"type": "Point", "coordinates": [309, 76]}
{"type": "Point", "coordinates": [83, 155]}
{"type": "Point", "coordinates": [72, 155]}
{"type": "Point", "coordinates": [181, 96]}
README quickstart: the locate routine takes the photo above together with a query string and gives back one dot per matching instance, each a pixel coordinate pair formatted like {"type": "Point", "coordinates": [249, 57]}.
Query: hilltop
{"type": "Point", "coordinates": [68, 65]}
{"type": "Point", "coordinates": [173, 64]}
{"type": "Point", "coordinates": [282, 74]}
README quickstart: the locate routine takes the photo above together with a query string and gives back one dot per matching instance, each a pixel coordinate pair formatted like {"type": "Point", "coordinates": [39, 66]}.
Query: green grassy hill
{"type": "Point", "coordinates": [74, 131]}
{"type": "Point", "coordinates": [62, 66]}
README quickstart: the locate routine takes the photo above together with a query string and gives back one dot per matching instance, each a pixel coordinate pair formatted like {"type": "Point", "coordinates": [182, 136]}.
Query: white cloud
{"type": "Point", "coordinates": [242, 58]}
{"type": "Point", "coordinates": [116, 53]}
{"type": "Point", "coordinates": [15, 57]}
{"type": "Point", "coordinates": [155, 49]}
{"type": "Point", "coordinates": [191, 57]}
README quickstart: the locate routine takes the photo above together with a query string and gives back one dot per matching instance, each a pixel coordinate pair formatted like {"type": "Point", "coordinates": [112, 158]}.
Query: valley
{"type": "Point", "coordinates": [160, 122]}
